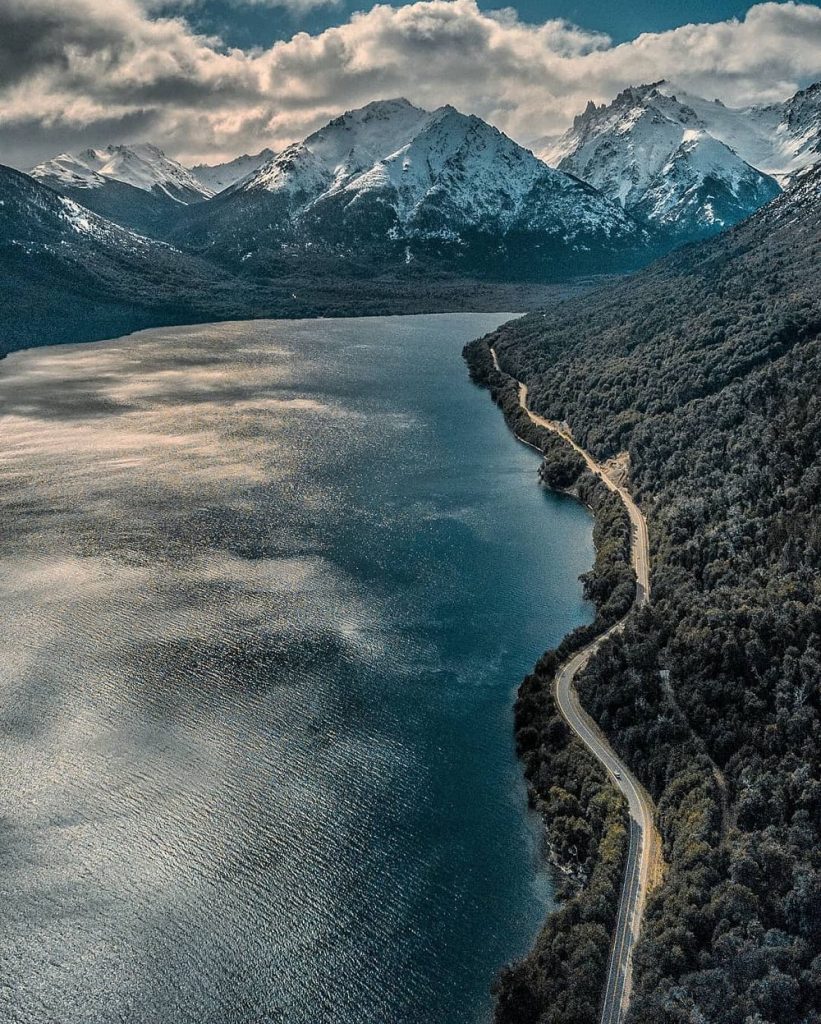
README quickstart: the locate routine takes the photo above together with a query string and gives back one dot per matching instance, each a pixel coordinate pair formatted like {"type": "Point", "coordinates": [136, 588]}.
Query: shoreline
{"type": "Point", "coordinates": [504, 868]}
{"type": "Point", "coordinates": [641, 862]}
{"type": "Point", "coordinates": [284, 301]}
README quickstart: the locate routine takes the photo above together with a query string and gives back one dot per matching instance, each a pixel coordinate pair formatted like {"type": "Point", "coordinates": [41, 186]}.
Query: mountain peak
{"type": "Point", "coordinates": [376, 110]}
{"type": "Point", "coordinates": [779, 139]}
{"type": "Point", "coordinates": [394, 103]}
{"type": "Point", "coordinates": [653, 154]}
{"type": "Point", "coordinates": [146, 152]}
{"type": "Point", "coordinates": [399, 175]}
{"type": "Point", "coordinates": [638, 94]}
{"type": "Point", "coordinates": [627, 107]}
{"type": "Point", "coordinates": [141, 165]}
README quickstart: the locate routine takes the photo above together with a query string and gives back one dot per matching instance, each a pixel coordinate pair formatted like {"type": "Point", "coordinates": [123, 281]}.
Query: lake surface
{"type": "Point", "coordinates": [267, 590]}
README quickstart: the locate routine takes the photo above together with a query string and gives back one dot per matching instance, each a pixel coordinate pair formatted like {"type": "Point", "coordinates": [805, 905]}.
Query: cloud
{"type": "Point", "coordinates": [110, 70]}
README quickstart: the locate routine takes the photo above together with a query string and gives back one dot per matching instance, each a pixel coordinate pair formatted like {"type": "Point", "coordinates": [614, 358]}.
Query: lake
{"type": "Point", "coordinates": [268, 589]}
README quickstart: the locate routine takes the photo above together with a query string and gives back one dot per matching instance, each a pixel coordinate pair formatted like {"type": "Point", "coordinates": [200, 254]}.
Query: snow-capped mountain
{"type": "Point", "coordinates": [34, 219]}
{"type": "Point", "coordinates": [391, 181]}
{"type": "Point", "coordinates": [358, 139]}
{"type": "Point", "coordinates": [142, 166]}
{"type": "Point", "coordinates": [215, 178]}
{"type": "Point", "coordinates": [703, 187]}
{"type": "Point", "coordinates": [780, 139]}
{"type": "Point", "coordinates": [654, 155]}
{"type": "Point", "coordinates": [136, 186]}
{"type": "Point", "coordinates": [425, 166]}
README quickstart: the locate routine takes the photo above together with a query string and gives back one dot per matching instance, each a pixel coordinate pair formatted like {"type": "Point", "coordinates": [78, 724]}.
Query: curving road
{"type": "Point", "coordinates": [644, 853]}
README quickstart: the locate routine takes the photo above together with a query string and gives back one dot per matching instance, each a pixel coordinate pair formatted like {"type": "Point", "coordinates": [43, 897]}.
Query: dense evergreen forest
{"type": "Point", "coordinates": [706, 367]}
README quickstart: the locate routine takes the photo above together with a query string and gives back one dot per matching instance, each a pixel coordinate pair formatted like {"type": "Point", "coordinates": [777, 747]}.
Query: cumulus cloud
{"type": "Point", "coordinates": [94, 71]}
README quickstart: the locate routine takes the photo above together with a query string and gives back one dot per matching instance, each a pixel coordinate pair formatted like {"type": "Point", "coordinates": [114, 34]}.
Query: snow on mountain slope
{"type": "Point", "coordinates": [475, 168]}
{"type": "Point", "coordinates": [345, 147]}
{"type": "Point", "coordinates": [436, 172]}
{"type": "Point", "coordinates": [295, 172]}
{"type": "Point", "coordinates": [393, 185]}
{"type": "Point", "coordinates": [70, 171]}
{"type": "Point", "coordinates": [653, 155]}
{"type": "Point", "coordinates": [355, 141]}
{"type": "Point", "coordinates": [779, 139]}
{"type": "Point", "coordinates": [621, 148]}
{"type": "Point", "coordinates": [35, 218]}
{"type": "Point", "coordinates": [799, 132]}
{"type": "Point", "coordinates": [698, 190]}
{"type": "Point", "coordinates": [215, 178]}
{"type": "Point", "coordinates": [142, 166]}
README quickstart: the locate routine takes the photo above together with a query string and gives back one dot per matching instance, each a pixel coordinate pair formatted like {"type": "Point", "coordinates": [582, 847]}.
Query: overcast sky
{"type": "Point", "coordinates": [207, 79]}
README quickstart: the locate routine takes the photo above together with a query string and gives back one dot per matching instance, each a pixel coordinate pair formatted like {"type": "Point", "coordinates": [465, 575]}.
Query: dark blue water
{"type": "Point", "coordinates": [267, 591]}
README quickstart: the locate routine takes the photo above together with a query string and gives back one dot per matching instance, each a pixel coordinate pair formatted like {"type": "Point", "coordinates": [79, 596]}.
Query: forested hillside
{"type": "Point", "coordinates": [67, 274]}
{"type": "Point", "coordinates": [706, 367]}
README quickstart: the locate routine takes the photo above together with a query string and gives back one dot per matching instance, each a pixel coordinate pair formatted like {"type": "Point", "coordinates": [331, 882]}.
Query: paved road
{"type": "Point", "coordinates": [644, 854]}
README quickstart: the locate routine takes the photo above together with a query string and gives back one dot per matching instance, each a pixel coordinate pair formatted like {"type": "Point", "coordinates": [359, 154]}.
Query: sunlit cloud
{"type": "Point", "coordinates": [78, 72]}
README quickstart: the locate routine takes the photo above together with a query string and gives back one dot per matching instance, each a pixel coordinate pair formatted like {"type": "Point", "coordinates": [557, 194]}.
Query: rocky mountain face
{"type": "Point", "coordinates": [652, 153]}
{"type": "Point", "coordinates": [394, 184]}
{"type": "Point", "coordinates": [780, 139]}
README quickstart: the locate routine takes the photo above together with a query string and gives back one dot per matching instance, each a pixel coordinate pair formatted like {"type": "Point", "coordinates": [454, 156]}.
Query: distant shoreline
{"type": "Point", "coordinates": [350, 299]}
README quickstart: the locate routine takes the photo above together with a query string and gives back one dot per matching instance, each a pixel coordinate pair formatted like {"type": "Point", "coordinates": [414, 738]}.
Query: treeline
{"type": "Point", "coordinates": [706, 368]}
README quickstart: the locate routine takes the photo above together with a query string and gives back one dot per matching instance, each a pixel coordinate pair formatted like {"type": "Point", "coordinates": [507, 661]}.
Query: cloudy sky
{"type": "Point", "coordinates": [207, 79]}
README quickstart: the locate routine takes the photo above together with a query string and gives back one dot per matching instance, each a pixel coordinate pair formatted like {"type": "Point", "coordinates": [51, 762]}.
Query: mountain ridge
{"type": "Point", "coordinates": [654, 155]}
{"type": "Point", "coordinates": [778, 139]}
{"type": "Point", "coordinates": [69, 275]}
{"type": "Point", "coordinates": [218, 177]}
{"type": "Point", "coordinates": [391, 186]}
{"type": "Point", "coordinates": [142, 165]}
{"type": "Point", "coordinates": [136, 186]}
{"type": "Point", "coordinates": [393, 183]}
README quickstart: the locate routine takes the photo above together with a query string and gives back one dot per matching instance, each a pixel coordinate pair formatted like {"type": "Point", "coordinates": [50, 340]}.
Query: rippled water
{"type": "Point", "coordinates": [266, 591]}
